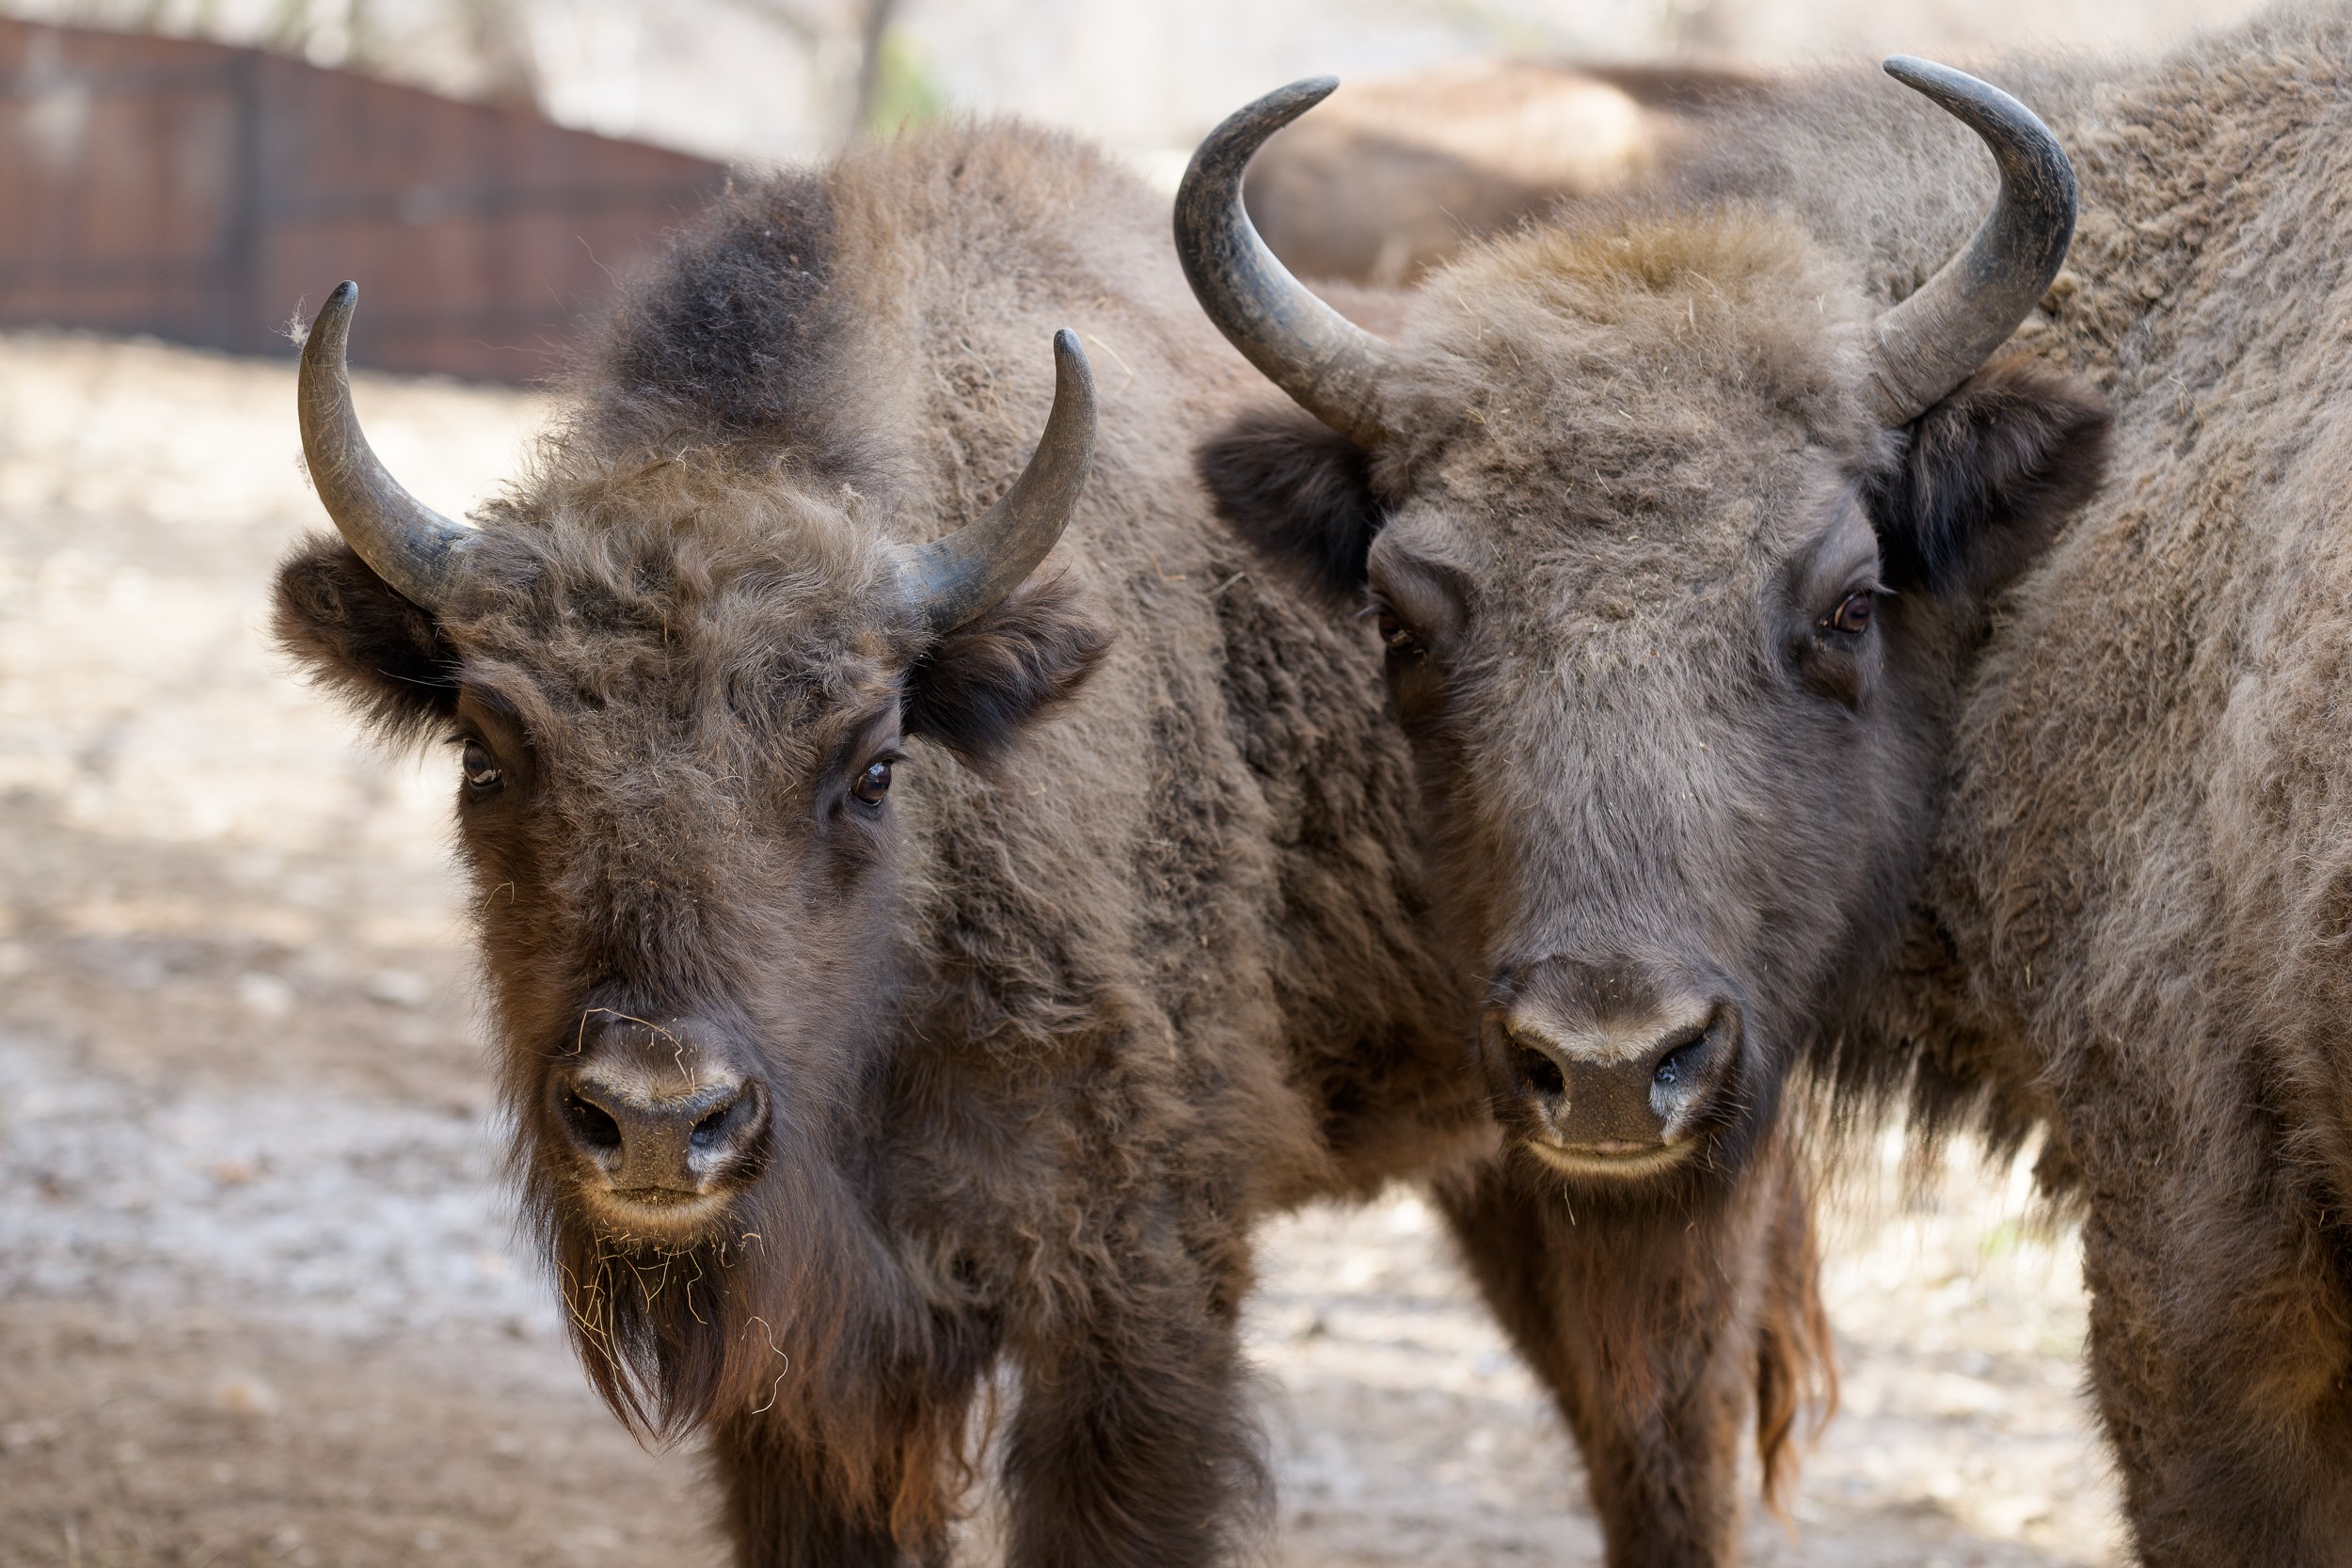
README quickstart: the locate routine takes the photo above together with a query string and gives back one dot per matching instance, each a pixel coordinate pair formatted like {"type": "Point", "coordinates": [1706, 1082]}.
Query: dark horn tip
{"type": "Point", "coordinates": [1938, 81]}
{"type": "Point", "coordinates": [341, 300]}
{"type": "Point", "coordinates": [1286, 104]}
{"type": "Point", "coordinates": [1960, 93]}
{"type": "Point", "coordinates": [1246, 129]}
{"type": "Point", "coordinates": [1071, 367]}
{"type": "Point", "coordinates": [1941, 84]}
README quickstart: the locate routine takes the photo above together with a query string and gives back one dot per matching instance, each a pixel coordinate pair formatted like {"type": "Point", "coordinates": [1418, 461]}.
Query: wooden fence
{"type": "Point", "coordinates": [202, 193]}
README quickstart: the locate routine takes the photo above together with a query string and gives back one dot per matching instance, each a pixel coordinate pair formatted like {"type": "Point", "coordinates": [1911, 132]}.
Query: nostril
{"type": "Point", "coordinates": [1540, 1072]}
{"type": "Point", "coordinates": [1681, 1058]}
{"type": "Point", "coordinates": [591, 1123]}
{"type": "Point", "coordinates": [719, 1127]}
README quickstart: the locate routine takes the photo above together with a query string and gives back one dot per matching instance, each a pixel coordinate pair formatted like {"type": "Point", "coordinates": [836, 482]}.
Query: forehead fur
{"type": "Point", "coordinates": [1631, 360]}
{"type": "Point", "coordinates": [746, 594]}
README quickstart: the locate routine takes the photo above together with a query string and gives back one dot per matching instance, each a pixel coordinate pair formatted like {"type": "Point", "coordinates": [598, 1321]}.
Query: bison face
{"type": "Point", "coordinates": [1675, 549]}
{"type": "Point", "coordinates": [1672, 624]}
{"type": "Point", "coordinates": [696, 718]}
{"type": "Point", "coordinates": [687, 893]}
{"type": "Point", "coordinates": [689, 726]}
{"type": "Point", "coordinates": [1657, 746]}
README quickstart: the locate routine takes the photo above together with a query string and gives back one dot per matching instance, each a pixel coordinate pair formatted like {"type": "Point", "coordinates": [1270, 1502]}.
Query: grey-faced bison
{"type": "Point", "coordinates": [1787, 693]}
{"type": "Point", "coordinates": [1641, 1079]}
{"type": "Point", "coordinates": [1398, 175]}
{"type": "Point", "coordinates": [908, 966]}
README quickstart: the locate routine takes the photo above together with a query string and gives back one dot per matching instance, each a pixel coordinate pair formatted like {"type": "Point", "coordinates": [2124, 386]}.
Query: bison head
{"type": "Point", "coordinates": [1673, 545]}
{"type": "Point", "coordinates": [677, 690]}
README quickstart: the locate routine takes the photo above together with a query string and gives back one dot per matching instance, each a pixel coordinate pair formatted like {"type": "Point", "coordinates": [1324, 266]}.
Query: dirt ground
{"type": "Point", "coordinates": [259, 1297]}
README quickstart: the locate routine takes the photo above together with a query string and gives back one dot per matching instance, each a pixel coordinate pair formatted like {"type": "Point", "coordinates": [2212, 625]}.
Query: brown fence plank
{"type": "Point", "coordinates": [203, 193]}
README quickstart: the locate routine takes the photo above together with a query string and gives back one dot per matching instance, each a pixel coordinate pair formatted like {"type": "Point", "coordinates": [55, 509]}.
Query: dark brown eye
{"type": "Point", "coordinates": [1398, 637]}
{"type": "Point", "coordinates": [1852, 616]}
{"type": "Point", "coordinates": [873, 784]}
{"type": "Point", "coordinates": [483, 774]}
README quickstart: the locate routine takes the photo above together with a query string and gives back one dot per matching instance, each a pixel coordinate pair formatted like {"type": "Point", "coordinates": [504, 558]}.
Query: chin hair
{"type": "Point", "coordinates": [661, 1320]}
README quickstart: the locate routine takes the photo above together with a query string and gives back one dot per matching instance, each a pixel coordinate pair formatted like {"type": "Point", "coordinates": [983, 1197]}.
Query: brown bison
{"type": "Point", "coordinates": [909, 966]}
{"type": "Point", "coordinates": [1399, 175]}
{"type": "Point", "coordinates": [1788, 694]}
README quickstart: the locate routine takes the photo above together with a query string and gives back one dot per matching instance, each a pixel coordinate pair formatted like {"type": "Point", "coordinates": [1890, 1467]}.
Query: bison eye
{"type": "Point", "coordinates": [1852, 616]}
{"type": "Point", "coordinates": [483, 774]}
{"type": "Point", "coordinates": [1395, 634]}
{"type": "Point", "coordinates": [874, 782]}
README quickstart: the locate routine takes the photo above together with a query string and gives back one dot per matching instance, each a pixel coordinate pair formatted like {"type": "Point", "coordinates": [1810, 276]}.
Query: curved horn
{"type": "Point", "coordinates": [1329, 365]}
{"type": "Point", "coordinates": [1936, 339]}
{"type": "Point", "coordinates": [404, 540]}
{"type": "Point", "coordinates": [956, 578]}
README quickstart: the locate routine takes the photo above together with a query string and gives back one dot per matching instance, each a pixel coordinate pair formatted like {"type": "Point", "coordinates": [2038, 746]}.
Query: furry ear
{"type": "Point", "coordinates": [980, 685]}
{"type": "Point", "coordinates": [1300, 495]}
{"type": "Point", "coordinates": [372, 648]}
{"type": "Point", "coordinates": [1989, 474]}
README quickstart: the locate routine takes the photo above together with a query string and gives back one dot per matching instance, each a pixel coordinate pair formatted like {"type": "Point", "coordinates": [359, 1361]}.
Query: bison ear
{"type": "Point", "coordinates": [980, 685]}
{"type": "Point", "coordinates": [1299, 494]}
{"type": "Point", "coordinates": [1990, 473]}
{"type": "Point", "coordinates": [372, 648]}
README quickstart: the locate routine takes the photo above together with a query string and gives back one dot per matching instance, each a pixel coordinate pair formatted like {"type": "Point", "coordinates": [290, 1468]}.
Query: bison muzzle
{"type": "Point", "coordinates": [1613, 1069]}
{"type": "Point", "coordinates": [664, 1120]}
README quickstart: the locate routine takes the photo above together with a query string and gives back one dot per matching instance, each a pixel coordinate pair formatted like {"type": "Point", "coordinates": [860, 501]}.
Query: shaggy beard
{"type": "Point", "coordinates": [672, 1333]}
{"type": "Point", "coordinates": [787, 1320]}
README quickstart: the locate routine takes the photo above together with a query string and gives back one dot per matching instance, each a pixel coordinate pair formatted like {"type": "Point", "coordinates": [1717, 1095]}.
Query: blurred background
{"type": "Point", "coordinates": [769, 79]}
{"type": "Point", "coordinates": [260, 1300]}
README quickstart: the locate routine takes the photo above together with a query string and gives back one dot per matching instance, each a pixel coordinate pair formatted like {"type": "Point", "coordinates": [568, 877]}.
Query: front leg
{"type": "Point", "coordinates": [870, 1481]}
{"type": "Point", "coordinates": [2220, 1353]}
{"type": "Point", "coordinates": [1657, 1329]}
{"type": "Point", "coordinates": [1132, 1443]}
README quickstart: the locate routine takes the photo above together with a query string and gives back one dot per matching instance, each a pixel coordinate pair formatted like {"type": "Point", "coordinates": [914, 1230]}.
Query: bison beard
{"type": "Point", "coordinates": [671, 1332]}
{"type": "Point", "coordinates": [792, 1331]}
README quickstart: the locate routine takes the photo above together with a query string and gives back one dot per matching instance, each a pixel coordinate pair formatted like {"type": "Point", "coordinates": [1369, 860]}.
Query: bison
{"type": "Point", "coordinates": [909, 967]}
{"type": "Point", "coordinates": [1789, 696]}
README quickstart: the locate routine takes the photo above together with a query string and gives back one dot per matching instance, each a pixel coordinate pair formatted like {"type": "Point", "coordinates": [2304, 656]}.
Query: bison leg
{"type": "Point", "coordinates": [2221, 1357]}
{"type": "Point", "coordinates": [1132, 1443]}
{"type": "Point", "coordinates": [786, 1504]}
{"type": "Point", "coordinates": [1657, 1332]}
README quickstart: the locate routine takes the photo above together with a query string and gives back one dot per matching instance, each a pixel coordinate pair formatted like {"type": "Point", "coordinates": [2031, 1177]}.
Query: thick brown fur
{"type": "Point", "coordinates": [1134, 951]}
{"type": "Point", "coordinates": [2060, 843]}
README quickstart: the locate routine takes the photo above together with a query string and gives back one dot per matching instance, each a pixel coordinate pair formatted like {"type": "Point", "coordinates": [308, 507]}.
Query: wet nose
{"type": "Point", "coordinates": [649, 1137]}
{"type": "Point", "coordinates": [1626, 1088]}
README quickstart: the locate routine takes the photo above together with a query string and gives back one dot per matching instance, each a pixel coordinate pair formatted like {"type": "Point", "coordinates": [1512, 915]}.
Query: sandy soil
{"type": "Point", "coordinates": [259, 1297]}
